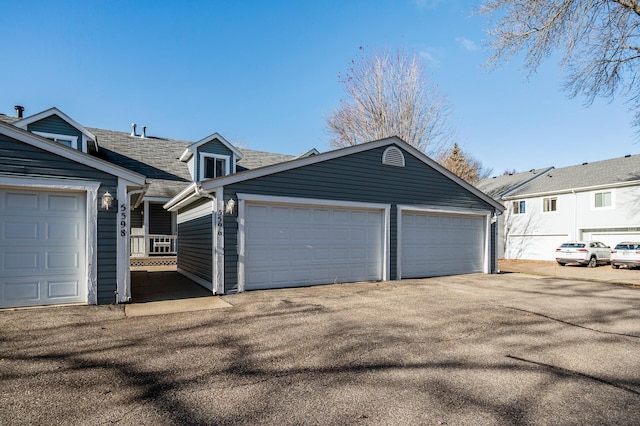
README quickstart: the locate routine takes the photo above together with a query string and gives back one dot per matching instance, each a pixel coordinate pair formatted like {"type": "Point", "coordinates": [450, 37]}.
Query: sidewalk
{"type": "Point", "coordinates": [603, 273]}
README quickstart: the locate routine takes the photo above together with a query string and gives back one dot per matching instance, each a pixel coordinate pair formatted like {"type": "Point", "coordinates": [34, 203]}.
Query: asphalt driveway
{"type": "Point", "coordinates": [474, 349]}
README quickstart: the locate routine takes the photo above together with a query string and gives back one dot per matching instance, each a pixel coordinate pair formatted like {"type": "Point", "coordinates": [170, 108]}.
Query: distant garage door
{"type": "Point", "coordinates": [534, 247]}
{"type": "Point", "coordinates": [436, 244]}
{"type": "Point", "coordinates": [297, 245]}
{"type": "Point", "coordinates": [42, 247]}
{"type": "Point", "coordinates": [611, 238]}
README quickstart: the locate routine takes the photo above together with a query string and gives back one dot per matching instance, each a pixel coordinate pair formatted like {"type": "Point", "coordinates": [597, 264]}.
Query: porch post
{"type": "Point", "coordinates": [145, 229]}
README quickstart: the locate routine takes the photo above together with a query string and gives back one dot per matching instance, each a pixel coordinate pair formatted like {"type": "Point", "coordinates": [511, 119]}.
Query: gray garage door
{"type": "Point", "coordinates": [435, 244]}
{"type": "Point", "coordinates": [297, 245]}
{"type": "Point", "coordinates": [42, 247]}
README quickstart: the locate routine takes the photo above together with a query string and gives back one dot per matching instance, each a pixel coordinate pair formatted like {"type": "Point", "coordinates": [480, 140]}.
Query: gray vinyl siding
{"type": "Point", "coordinates": [359, 177]}
{"type": "Point", "coordinates": [20, 159]}
{"type": "Point", "coordinates": [55, 124]}
{"type": "Point", "coordinates": [213, 147]}
{"type": "Point", "coordinates": [195, 239]}
{"type": "Point", "coordinates": [159, 220]}
{"type": "Point", "coordinates": [137, 218]}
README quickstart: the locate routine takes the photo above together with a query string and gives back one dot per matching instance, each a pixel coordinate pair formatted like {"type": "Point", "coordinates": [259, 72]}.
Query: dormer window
{"type": "Point", "coordinates": [70, 141]}
{"type": "Point", "coordinates": [213, 166]}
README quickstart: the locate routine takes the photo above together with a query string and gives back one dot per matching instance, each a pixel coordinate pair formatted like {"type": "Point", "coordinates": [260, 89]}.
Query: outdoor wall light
{"type": "Point", "coordinates": [494, 218]}
{"type": "Point", "coordinates": [107, 200]}
{"type": "Point", "coordinates": [230, 207]}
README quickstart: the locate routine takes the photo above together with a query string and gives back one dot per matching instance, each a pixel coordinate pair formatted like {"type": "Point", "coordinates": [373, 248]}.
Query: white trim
{"type": "Point", "coordinates": [268, 199]}
{"type": "Point", "coordinates": [71, 154]}
{"type": "Point", "coordinates": [603, 208]}
{"type": "Point", "coordinates": [204, 155]}
{"type": "Point", "coordinates": [217, 207]}
{"type": "Point", "coordinates": [602, 187]}
{"type": "Point", "coordinates": [193, 148]}
{"type": "Point", "coordinates": [401, 208]}
{"type": "Point", "coordinates": [123, 285]}
{"type": "Point", "coordinates": [53, 111]}
{"type": "Point", "coordinates": [309, 153]}
{"type": "Point", "coordinates": [55, 136]}
{"type": "Point", "coordinates": [91, 189]}
{"type": "Point", "coordinates": [183, 197]}
{"type": "Point", "coordinates": [273, 199]}
{"type": "Point", "coordinates": [201, 281]}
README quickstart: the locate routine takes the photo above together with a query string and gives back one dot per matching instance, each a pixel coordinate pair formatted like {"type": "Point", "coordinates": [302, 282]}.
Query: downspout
{"type": "Point", "coordinates": [575, 215]}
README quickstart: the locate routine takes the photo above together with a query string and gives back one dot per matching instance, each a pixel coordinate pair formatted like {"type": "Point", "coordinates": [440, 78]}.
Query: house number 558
{"type": "Point", "coordinates": [123, 220]}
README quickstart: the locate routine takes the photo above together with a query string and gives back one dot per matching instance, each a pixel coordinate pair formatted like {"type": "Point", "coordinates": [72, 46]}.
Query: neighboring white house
{"type": "Point", "coordinates": [592, 201]}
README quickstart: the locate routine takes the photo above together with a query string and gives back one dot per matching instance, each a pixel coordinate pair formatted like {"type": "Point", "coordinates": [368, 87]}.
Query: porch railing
{"type": "Point", "coordinates": [147, 245]}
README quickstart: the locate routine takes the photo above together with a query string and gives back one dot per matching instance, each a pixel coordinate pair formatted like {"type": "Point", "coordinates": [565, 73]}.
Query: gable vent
{"type": "Point", "coordinates": [392, 156]}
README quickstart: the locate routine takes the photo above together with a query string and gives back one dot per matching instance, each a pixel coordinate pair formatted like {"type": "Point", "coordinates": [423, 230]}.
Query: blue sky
{"type": "Point", "coordinates": [264, 74]}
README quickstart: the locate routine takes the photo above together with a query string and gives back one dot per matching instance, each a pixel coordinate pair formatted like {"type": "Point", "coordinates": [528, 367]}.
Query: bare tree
{"type": "Point", "coordinates": [390, 95]}
{"type": "Point", "coordinates": [599, 41]}
{"type": "Point", "coordinates": [463, 165]}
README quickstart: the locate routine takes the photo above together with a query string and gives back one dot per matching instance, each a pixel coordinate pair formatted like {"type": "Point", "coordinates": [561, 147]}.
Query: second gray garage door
{"type": "Point", "coordinates": [436, 244]}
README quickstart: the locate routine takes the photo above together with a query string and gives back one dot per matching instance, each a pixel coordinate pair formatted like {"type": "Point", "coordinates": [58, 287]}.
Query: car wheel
{"type": "Point", "coordinates": [614, 266]}
{"type": "Point", "coordinates": [561, 263]}
{"type": "Point", "coordinates": [593, 262]}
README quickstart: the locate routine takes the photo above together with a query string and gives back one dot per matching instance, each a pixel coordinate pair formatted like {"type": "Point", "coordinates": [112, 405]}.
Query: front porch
{"type": "Point", "coordinates": [152, 251]}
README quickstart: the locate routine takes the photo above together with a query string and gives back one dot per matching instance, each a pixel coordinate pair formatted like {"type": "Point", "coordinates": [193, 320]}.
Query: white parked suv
{"type": "Point", "coordinates": [626, 253]}
{"type": "Point", "coordinates": [590, 253]}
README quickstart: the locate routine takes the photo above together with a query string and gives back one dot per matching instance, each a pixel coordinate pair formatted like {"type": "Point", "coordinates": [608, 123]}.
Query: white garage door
{"type": "Point", "coordinates": [441, 244]}
{"type": "Point", "coordinates": [534, 247]}
{"type": "Point", "coordinates": [42, 248]}
{"type": "Point", "coordinates": [290, 246]}
{"type": "Point", "coordinates": [612, 238]}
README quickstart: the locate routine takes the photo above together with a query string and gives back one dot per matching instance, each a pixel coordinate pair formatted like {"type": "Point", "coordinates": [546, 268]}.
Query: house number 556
{"type": "Point", "coordinates": [219, 222]}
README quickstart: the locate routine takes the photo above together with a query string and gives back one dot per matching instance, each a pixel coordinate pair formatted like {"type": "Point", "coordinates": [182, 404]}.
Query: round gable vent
{"type": "Point", "coordinates": [392, 156]}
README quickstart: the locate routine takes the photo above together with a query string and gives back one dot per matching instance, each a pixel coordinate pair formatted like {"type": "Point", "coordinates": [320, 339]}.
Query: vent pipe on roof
{"type": "Point", "coordinates": [133, 129]}
{"type": "Point", "coordinates": [144, 132]}
{"type": "Point", "coordinates": [19, 110]}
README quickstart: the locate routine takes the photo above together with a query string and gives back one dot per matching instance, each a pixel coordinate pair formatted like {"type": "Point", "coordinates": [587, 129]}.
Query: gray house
{"type": "Point", "coordinates": [63, 216]}
{"type": "Point", "coordinates": [79, 205]}
{"type": "Point", "coordinates": [375, 211]}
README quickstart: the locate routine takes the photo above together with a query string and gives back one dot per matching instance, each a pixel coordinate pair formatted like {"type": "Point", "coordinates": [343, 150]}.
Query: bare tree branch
{"type": "Point", "coordinates": [389, 95]}
{"type": "Point", "coordinates": [599, 41]}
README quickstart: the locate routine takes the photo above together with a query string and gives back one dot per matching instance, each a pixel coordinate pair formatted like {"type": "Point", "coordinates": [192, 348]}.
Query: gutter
{"type": "Point", "coordinates": [140, 193]}
{"type": "Point", "coordinates": [573, 190]}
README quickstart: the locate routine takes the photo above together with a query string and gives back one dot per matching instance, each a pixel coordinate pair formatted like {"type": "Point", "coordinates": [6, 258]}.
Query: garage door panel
{"type": "Point", "coordinates": [42, 247]}
{"type": "Point", "coordinates": [435, 244]}
{"type": "Point", "coordinates": [612, 238]}
{"type": "Point", "coordinates": [315, 245]}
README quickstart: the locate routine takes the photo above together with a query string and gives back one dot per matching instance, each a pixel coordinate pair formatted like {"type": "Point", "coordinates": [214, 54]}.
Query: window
{"type": "Point", "coordinates": [70, 141]}
{"type": "Point", "coordinates": [549, 204]}
{"type": "Point", "coordinates": [519, 207]}
{"type": "Point", "coordinates": [213, 166]}
{"type": "Point", "coordinates": [602, 199]}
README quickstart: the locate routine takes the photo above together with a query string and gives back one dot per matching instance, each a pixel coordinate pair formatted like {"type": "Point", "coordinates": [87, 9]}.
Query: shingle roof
{"type": "Point", "coordinates": [158, 159]}
{"type": "Point", "coordinates": [8, 119]}
{"type": "Point", "coordinates": [498, 186]}
{"type": "Point", "coordinates": [605, 172]}
{"type": "Point", "coordinates": [255, 159]}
